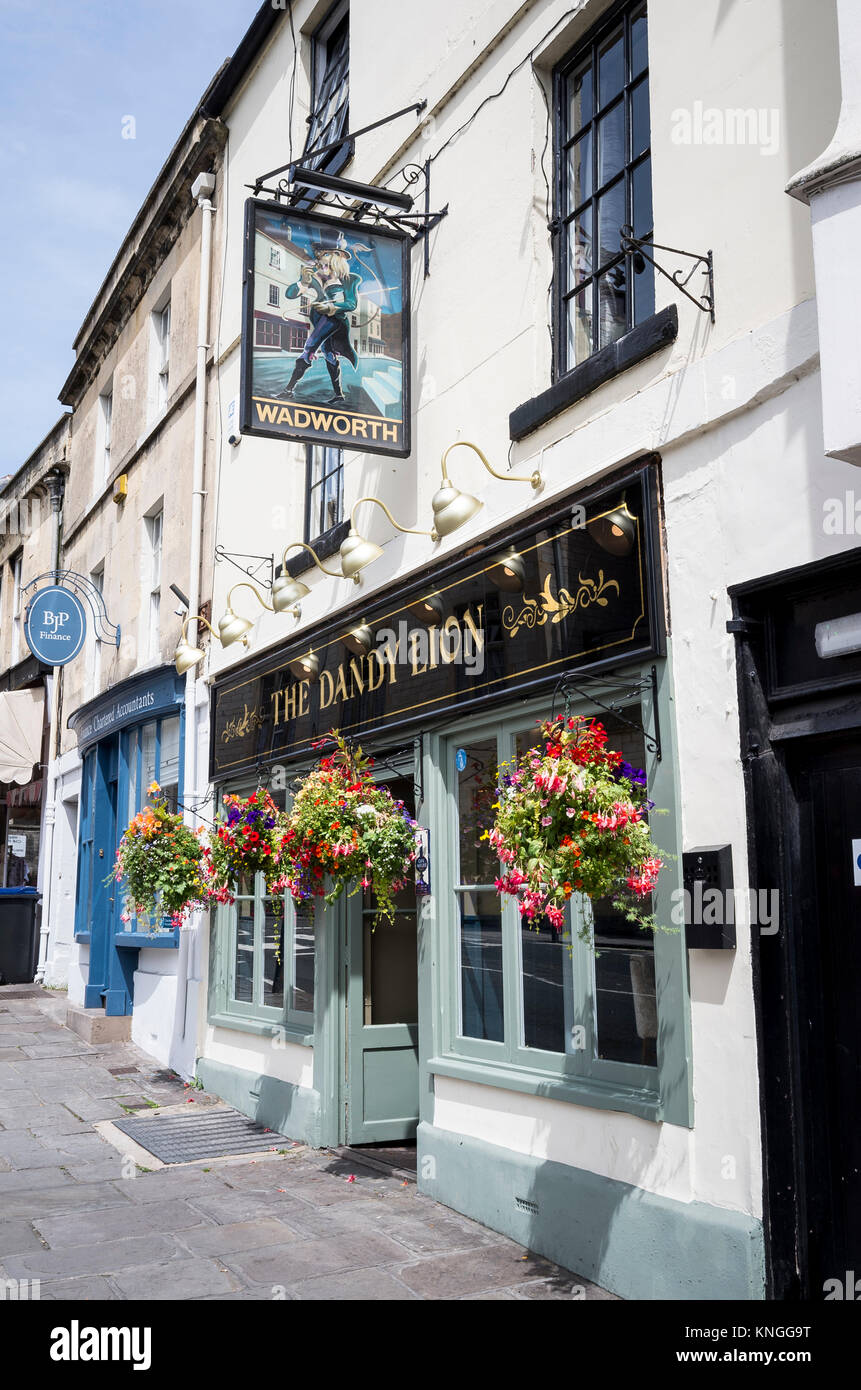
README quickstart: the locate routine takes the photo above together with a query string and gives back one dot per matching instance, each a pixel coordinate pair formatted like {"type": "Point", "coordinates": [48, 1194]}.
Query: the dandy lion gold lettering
{"type": "Point", "coordinates": [449, 641]}
{"type": "Point", "coordinates": [357, 676]}
{"type": "Point", "coordinates": [376, 663]}
{"type": "Point", "coordinates": [418, 665]}
{"type": "Point", "coordinates": [327, 689]}
{"type": "Point", "coordinates": [275, 698]}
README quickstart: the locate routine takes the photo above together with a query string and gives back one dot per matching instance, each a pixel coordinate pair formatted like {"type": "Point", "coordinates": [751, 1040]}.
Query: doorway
{"type": "Point", "coordinates": [380, 975]}
{"type": "Point", "coordinates": [800, 708]}
{"type": "Point", "coordinates": [825, 774]}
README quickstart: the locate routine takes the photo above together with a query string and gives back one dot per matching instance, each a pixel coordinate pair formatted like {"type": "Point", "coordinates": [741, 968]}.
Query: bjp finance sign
{"type": "Point", "coordinates": [325, 342]}
{"type": "Point", "coordinates": [55, 626]}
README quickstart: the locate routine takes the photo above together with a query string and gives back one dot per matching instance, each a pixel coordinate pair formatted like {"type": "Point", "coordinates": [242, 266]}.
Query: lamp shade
{"type": "Point", "coordinates": [452, 508]}
{"type": "Point", "coordinates": [186, 656]}
{"type": "Point", "coordinates": [429, 609]}
{"type": "Point", "coordinates": [305, 668]}
{"type": "Point", "coordinates": [287, 591]}
{"type": "Point", "coordinates": [232, 627]}
{"type": "Point", "coordinates": [509, 572]}
{"type": "Point", "coordinates": [614, 532]}
{"type": "Point", "coordinates": [356, 553]}
{"type": "Point", "coordinates": [359, 639]}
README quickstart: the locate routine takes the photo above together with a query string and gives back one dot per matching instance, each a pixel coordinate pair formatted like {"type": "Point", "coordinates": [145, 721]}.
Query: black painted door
{"type": "Point", "coordinates": [826, 924]}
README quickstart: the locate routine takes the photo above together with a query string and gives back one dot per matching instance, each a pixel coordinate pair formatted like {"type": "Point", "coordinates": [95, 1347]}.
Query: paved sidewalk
{"type": "Point", "coordinates": [303, 1225]}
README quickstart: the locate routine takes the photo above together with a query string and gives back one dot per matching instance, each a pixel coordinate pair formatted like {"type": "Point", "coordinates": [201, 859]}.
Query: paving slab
{"type": "Point", "coordinates": [17, 1236]}
{"type": "Point", "coordinates": [91, 1259]}
{"type": "Point", "coordinates": [291, 1264]}
{"type": "Point", "coordinates": [237, 1236]}
{"type": "Point", "coordinates": [88, 1289]}
{"type": "Point", "coordinates": [114, 1223]}
{"type": "Point", "coordinates": [183, 1279]}
{"type": "Point", "coordinates": [357, 1285]}
{"type": "Point", "coordinates": [42, 1202]}
{"type": "Point", "coordinates": [449, 1276]}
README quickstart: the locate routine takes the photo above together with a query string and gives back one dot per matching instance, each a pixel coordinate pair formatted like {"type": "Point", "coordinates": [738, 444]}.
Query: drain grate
{"type": "Point", "coordinates": [185, 1138]}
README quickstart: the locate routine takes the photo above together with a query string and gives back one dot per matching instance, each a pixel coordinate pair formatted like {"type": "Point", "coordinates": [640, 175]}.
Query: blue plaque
{"type": "Point", "coordinates": [55, 626]}
{"type": "Point", "coordinates": [460, 759]}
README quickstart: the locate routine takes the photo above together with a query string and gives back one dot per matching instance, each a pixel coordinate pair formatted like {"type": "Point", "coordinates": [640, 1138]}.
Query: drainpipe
{"type": "Point", "coordinates": [201, 190]}
{"type": "Point", "coordinates": [56, 483]}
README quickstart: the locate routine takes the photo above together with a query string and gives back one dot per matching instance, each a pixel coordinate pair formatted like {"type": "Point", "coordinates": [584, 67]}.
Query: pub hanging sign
{"type": "Point", "coordinates": [575, 591]}
{"type": "Point", "coordinates": [325, 337]}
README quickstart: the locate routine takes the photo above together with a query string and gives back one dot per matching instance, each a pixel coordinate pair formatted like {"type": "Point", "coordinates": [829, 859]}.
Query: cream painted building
{"type": "Point", "coordinates": [661, 538]}
{"type": "Point", "coordinates": [138, 520]}
{"type": "Point", "coordinates": [647, 1152]}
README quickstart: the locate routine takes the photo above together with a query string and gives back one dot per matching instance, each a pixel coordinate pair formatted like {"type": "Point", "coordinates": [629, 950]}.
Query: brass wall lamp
{"type": "Point", "coordinates": [287, 591]}
{"type": "Point", "coordinates": [453, 508]}
{"type": "Point", "coordinates": [186, 655]}
{"type": "Point", "coordinates": [357, 551]}
{"type": "Point", "coordinates": [233, 627]}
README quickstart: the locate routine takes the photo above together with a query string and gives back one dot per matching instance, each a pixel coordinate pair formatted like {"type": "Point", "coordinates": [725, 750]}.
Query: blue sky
{"type": "Point", "coordinates": [70, 72]}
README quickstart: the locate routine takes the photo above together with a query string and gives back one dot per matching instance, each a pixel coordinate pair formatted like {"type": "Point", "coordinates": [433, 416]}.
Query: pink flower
{"type": "Point", "coordinates": [546, 820]}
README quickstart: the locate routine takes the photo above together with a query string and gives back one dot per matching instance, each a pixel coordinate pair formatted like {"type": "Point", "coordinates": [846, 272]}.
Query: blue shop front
{"type": "Point", "coordinates": [129, 737]}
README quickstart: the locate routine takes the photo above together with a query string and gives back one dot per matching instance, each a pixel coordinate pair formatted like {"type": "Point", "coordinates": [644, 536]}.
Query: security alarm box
{"type": "Point", "coordinates": [709, 898]}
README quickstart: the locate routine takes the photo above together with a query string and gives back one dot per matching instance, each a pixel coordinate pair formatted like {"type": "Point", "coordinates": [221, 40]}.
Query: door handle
{"type": "Point", "coordinates": [101, 854]}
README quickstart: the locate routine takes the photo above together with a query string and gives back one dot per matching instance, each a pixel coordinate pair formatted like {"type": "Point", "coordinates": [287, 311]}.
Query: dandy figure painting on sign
{"type": "Point", "coordinates": [325, 342]}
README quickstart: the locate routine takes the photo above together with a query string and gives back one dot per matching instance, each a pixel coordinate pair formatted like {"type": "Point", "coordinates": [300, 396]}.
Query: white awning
{"type": "Point", "coordinates": [21, 716]}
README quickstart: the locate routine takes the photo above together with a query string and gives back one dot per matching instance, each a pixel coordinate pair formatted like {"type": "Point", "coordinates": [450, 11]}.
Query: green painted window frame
{"type": "Point", "coordinates": [656, 1093]}
{"type": "Point", "coordinates": [224, 1010]}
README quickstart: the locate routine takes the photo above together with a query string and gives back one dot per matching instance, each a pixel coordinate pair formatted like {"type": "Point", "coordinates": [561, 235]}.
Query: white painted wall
{"type": "Point", "coordinates": [734, 410]}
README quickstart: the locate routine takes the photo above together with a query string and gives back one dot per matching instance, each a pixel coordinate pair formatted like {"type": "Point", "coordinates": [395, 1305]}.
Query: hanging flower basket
{"type": "Point", "coordinates": [348, 830]}
{"type": "Point", "coordinates": [160, 861]}
{"type": "Point", "coordinates": [571, 818]}
{"type": "Point", "coordinates": [248, 838]}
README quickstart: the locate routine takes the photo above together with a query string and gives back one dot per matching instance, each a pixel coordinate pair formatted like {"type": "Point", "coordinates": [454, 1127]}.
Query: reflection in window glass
{"type": "Point", "coordinates": [243, 986]}
{"type": "Point", "coordinates": [625, 1005]}
{"type": "Point", "coordinates": [481, 966]}
{"type": "Point", "coordinates": [273, 957]}
{"type": "Point", "coordinates": [391, 985]}
{"type": "Point", "coordinates": [476, 794]}
{"type": "Point", "coordinates": [302, 992]}
{"type": "Point", "coordinates": [132, 757]}
{"type": "Point", "coordinates": [148, 743]}
{"type": "Point", "coordinates": [546, 973]}
{"type": "Point", "coordinates": [169, 761]}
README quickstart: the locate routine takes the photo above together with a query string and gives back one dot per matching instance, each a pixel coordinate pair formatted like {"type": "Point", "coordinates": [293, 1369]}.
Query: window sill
{"type": "Point", "coordinates": [291, 1032]}
{"type": "Point", "coordinates": [144, 940]}
{"type": "Point", "coordinates": [596, 1095]}
{"type": "Point", "coordinates": [644, 340]}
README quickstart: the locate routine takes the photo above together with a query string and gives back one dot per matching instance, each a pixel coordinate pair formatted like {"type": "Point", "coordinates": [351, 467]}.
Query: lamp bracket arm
{"type": "Point", "coordinates": [300, 545]}
{"type": "Point", "coordinates": [644, 245]}
{"type": "Point", "coordinates": [535, 478]}
{"type": "Point", "coordinates": [406, 530]}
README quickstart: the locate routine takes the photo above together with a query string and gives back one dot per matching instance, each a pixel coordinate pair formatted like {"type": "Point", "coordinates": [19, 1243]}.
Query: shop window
{"type": "Point", "coordinates": [267, 334]}
{"type": "Point", "coordinates": [265, 962]}
{"type": "Point", "coordinates": [139, 756]}
{"type": "Point", "coordinates": [603, 183]}
{"type": "Point", "coordinates": [324, 490]}
{"type": "Point", "coordinates": [531, 997]}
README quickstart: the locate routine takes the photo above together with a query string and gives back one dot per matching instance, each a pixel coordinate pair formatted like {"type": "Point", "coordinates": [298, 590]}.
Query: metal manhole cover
{"type": "Point", "coordinates": [185, 1138]}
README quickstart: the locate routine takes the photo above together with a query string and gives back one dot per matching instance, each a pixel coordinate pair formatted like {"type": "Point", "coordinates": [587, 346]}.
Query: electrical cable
{"type": "Point", "coordinates": [495, 95]}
